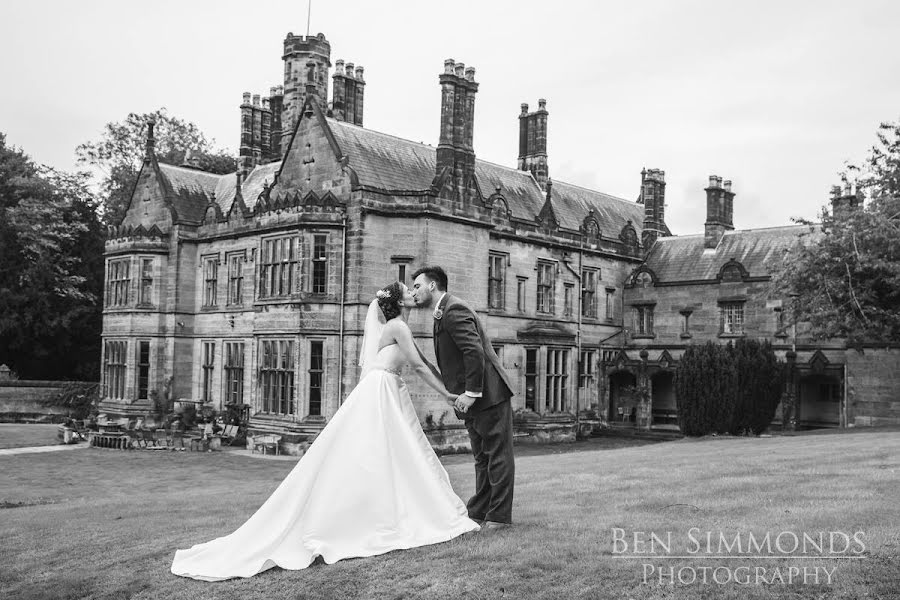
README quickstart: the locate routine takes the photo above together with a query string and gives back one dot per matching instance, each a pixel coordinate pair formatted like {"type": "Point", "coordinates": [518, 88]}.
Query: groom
{"type": "Point", "coordinates": [470, 367]}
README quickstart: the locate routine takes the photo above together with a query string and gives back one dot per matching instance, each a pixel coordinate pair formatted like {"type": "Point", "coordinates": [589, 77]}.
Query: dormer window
{"type": "Point", "coordinates": [643, 280]}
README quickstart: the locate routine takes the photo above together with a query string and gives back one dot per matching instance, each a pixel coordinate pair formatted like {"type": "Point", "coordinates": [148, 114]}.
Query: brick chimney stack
{"type": "Point", "coordinates": [245, 153]}
{"type": "Point", "coordinates": [533, 143]}
{"type": "Point", "coordinates": [719, 210]}
{"type": "Point", "coordinates": [844, 200]}
{"type": "Point", "coordinates": [348, 88]}
{"type": "Point", "coordinates": [455, 152]}
{"type": "Point", "coordinates": [653, 197]}
{"type": "Point", "coordinates": [276, 107]}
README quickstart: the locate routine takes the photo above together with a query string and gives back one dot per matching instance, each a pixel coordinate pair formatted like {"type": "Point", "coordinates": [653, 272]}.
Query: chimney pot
{"type": "Point", "coordinates": [246, 98]}
{"type": "Point", "coordinates": [273, 91]}
{"type": "Point", "coordinates": [359, 73]}
{"type": "Point", "coordinates": [255, 99]}
{"type": "Point", "coordinates": [727, 185]}
{"type": "Point", "coordinates": [460, 70]}
{"type": "Point", "coordinates": [349, 69]}
{"type": "Point", "coordinates": [713, 181]}
{"type": "Point", "coordinates": [449, 65]}
{"type": "Point", "coordinates": [848, 190]}
{"type": "Point", "coordinates": [265, 103]}
{"type": "Point", "coordinates": [542, 104]}
{"type": "Point", "coordinates": [339, 66]}
{"type": "Point", "coordinates": [835, 191]}
{"type": "Point", "coordinates": [524, 108]}
{"type": "Point", "coordinates": [470, 74]}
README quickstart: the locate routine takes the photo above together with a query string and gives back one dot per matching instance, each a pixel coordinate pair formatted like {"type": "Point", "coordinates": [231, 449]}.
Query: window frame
{"type": "Point", "coordinates": [556, 380]}
{"type": "Point", "coordinates": [118, 281]}
{"type": "Point", "coordinates": [283, 273]}
{"type": "Point", "coordinates": [546, 286]}
{"type": "Point", "coordinates": [210, 265]}
{"type": "Point", "coordinates": [736, 307]}
{"type": "Point", "coordinates": [319, 280]}
{"type": "Point", "coordinates": [277, 377]}
{"type": "Point", "coordinates": [235, 292]}
{"type": "Point", "coordinates": [590, 279]}
{"type": "Point", "coordinates": [145, 288]}
{"type": "Point", "coordinates": [497, 261]}
{"type": "Point", "coordinates": [316, 378]}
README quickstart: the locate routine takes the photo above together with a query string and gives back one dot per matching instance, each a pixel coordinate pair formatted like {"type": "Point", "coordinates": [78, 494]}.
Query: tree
{"type": "Point", "coordinates": [119, 152]}
{"type": "Point", "coordinates": [51, 270]}
{"type": "Point", "coordinates": [845, 279]}
{"type": "Point", "coordinates": [732, 388]}
{"type": "Point", "coordinates": [704, 389]}
{"type": "Point", "coordinates": [759, 380]}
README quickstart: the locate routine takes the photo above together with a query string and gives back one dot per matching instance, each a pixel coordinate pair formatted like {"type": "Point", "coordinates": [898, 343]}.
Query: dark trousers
{"type": "Point", "coordinates": [491, 435]}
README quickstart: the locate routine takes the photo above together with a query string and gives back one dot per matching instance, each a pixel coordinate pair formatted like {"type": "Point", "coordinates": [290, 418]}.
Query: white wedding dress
{"type": "Point", "coordinates": [369, 484]}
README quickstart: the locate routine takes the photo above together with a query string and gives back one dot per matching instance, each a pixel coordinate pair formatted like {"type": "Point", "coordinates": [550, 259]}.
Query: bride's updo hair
{"type": "Point", "coordinates": [389, 298]}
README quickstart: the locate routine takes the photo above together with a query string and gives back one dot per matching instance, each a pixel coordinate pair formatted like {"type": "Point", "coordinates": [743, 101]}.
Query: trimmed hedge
{"type": "Point", "coordinates": [728, 389]}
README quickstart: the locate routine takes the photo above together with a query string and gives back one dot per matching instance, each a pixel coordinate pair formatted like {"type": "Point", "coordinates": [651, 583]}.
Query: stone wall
{"type": "Point", "coordinates": [24, 401]}
{"type": "Point", "coordinates": [873, 386]}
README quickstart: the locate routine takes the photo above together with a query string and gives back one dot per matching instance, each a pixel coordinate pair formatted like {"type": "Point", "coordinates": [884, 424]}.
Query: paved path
{"type": "Point", "coordinates": [37, 449]}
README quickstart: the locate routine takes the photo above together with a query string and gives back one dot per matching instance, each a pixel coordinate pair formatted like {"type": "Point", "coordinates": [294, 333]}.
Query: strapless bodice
{"type": "Point", "coordinates": [389, 359]}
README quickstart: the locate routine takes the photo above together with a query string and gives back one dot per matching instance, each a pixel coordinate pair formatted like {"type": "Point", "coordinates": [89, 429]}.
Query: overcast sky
{"type": "Point", "coordinates": [776, 96]}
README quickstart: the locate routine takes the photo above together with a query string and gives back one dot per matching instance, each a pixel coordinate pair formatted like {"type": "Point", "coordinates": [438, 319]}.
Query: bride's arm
{"type": "Point", "coordinates": [413, 355]}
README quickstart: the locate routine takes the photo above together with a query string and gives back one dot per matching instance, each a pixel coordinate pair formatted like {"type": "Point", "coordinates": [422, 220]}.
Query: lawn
{"type": "Point", "coordinates": [105, 524]}
{"type": "Point", "coordinates": [20, 435]}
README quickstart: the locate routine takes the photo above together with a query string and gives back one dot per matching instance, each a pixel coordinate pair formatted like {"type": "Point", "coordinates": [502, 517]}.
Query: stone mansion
{"type": "Point", "coordinates": [251, 288]}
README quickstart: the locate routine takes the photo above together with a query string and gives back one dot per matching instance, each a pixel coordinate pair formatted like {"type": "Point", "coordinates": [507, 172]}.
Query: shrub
{"type": "Point", "coordinates": [728, 389]}
{"type": "Point", "coordinates": [759, 383]}
{"type": "Point", "coordinates": [77, 397]}
{"type": "Point", "coordinates": [704, 389]}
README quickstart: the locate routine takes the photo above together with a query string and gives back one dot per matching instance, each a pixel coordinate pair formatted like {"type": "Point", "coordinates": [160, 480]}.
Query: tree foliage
{"type": "Point", "coordinates": [51, 270]}
{"type": "Point", "coordinates": [845, 279]}
{"type": "Point", "coordinates": [728, 389]}
{"type": "Point", "coordinates": [120, 150]}
{"type": "Point", "coordinates": [759, 381]}
{"type": "Point", "coordinates": [704, 388]}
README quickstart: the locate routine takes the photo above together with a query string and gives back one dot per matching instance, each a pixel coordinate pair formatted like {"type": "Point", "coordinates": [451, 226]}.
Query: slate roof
{"type": "Point", "coordinates": [684, 258]}
{"type": "Point", "coordinates": [392, 164]}
{"type": "Point", "coordinates": [571, 204]}
{"type": "Point", "coordinates": [193, 189]}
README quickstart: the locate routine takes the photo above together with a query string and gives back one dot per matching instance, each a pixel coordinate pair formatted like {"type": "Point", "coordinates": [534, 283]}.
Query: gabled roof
{"type": "Point", "coordinates": [684, 258]}
{"type": "Point", "coordinates": [392, 164]}
{"type": "Point", "coordinates": [572, 204]}
{"type": "Point", "coordinates": [192, 190]}
{"type": "Point", "coordinates": [251, 187]}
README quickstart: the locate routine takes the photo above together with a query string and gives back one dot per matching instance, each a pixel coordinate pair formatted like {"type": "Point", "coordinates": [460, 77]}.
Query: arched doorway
{"type": "Point", "coordinates": [620, 405]}
{"type": "Point", "coordinates": [663, 408]}
{"type": "Point", "coordinates": [819, 402]}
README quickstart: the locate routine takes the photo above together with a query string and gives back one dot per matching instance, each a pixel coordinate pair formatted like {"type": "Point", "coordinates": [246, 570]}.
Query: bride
{"type": "Point", "coordinates": [369, 484]}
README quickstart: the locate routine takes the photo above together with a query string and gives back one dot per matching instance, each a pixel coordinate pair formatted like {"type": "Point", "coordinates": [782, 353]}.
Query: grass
{"type": "Point", "coordinates": [105, 524]}
{"type": "Point", "coordinates": [21, 435]}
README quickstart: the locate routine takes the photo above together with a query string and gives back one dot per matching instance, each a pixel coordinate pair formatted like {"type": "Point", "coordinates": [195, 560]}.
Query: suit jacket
{"type": "Point", "coordinates": [466, 357]}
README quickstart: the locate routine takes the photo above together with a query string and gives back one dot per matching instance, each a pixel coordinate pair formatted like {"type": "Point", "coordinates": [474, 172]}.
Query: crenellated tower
{"type": "Point", "coordinates": [307, 60]}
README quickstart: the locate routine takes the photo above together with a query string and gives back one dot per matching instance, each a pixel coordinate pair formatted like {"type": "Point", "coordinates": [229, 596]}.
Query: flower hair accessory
{"type": "Point", "coordinates": [381, 294]}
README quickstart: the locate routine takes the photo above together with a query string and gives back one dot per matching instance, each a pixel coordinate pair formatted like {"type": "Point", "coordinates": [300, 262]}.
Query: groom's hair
{"type": "Point", "coordinates": [436, 274]}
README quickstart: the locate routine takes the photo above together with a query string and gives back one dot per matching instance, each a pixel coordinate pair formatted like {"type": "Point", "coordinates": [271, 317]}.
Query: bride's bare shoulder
{"type": "Point", "coordinates": [397, 326]}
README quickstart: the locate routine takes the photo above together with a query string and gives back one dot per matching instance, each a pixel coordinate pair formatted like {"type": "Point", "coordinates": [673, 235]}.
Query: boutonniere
{"type": "Point", "coordinates": [438, 314]}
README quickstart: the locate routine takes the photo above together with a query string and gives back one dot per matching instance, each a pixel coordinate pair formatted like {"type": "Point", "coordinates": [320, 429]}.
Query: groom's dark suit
{"type": "Point", "coordinates": [468, 363]}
